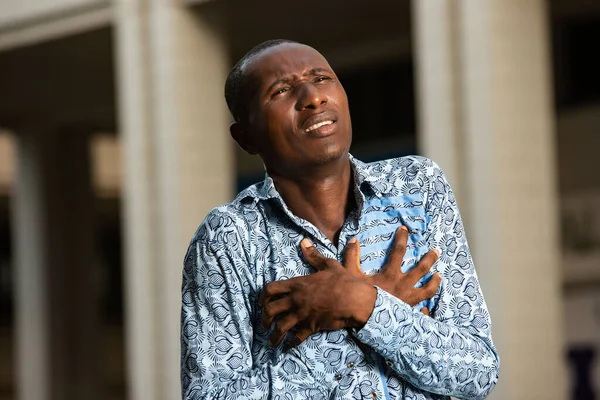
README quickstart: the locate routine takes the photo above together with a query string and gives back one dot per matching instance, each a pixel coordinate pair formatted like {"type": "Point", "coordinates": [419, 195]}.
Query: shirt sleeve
{"type": "Point", "coordinates": [452, 353]}
{"type": "Point", "coordinates": [217, 330]}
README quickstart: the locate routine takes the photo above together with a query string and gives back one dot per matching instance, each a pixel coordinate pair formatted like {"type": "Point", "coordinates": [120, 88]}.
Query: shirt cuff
{"type": "Point", "coordinates": [382, 326]}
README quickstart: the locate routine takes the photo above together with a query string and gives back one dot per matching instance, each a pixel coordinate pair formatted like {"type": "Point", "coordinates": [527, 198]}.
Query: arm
{"type": "Point", "coordinates": [217, 331]}
{"type": "Point", "coordinates": [452, 354]}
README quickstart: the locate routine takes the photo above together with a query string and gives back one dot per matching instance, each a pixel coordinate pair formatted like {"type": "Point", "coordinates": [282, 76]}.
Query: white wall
{"type": "Point", "coordinates": [13, 12]}
{"type": "Point", "coordinates": [7, 162]}
{"type": "Point", "coordinates": [107, 171]}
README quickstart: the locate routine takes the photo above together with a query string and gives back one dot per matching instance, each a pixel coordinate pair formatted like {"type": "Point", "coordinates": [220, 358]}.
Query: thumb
{"type": "Point", "coordinates": [352, 258]}
{"type": "Point", "coordinates": [313, 256]}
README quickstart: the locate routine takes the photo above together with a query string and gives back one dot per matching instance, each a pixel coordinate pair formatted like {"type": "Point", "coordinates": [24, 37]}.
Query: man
{"type": "Point", "coordinates": [275, 301]}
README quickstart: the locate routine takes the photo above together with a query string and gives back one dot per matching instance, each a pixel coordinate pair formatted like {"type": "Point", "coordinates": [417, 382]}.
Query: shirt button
{"type": "Point", "coordinates": [338, 378]}
{"type": "Point", "coordinates": [351, 365]}
{"type": "Point", "coordinates": [389, 363]}
{"type": "Point", "coordinates": [374, 395]}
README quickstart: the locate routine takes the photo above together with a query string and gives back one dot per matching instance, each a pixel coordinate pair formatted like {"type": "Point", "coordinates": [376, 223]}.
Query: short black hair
{"type": "Point", "coordinates": [235, 82]}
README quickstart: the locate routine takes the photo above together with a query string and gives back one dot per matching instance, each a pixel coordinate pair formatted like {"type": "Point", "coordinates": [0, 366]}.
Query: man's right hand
{"type": "Point", "coordinates": [342, 296]}
{"type": "Point", "coordinates": [390, 278]}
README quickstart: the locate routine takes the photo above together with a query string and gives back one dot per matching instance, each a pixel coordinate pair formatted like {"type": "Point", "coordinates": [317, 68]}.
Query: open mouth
{"type": "Point", "coordinates": [318, 125]}
{"type": "Point", "coordinates": [321, 125]}
{"type": "Point", "coordinates": [322, 129]}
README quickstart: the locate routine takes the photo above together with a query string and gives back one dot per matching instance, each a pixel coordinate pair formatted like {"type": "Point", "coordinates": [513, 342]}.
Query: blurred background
{"type": "Point", "coordinates": [114, 145]}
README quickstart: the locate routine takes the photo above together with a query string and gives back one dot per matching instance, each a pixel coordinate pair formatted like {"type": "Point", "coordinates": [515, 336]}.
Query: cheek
{"type": "Point", "coordinates": [280, 119]}
{"type": "Point", "coordinates": [337, 96]}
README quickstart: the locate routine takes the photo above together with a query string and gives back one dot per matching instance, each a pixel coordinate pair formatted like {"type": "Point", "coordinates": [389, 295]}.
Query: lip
{"type": "Point", "coordinates": [322, 131]}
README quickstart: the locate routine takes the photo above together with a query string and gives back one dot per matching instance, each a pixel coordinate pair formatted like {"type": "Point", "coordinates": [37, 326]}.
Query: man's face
{"type": "Point", "coordinates": [298, 112]}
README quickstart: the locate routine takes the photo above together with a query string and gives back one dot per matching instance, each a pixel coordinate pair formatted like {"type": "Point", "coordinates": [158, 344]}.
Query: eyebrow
{"type": "Point", "coordinates": [285, 79]}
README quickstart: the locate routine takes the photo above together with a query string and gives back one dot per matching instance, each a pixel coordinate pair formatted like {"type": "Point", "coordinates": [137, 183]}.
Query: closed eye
{"type": "Point", "coordinates": [280, 91]}
{"type": "Point", "coordinates": [322, 78]}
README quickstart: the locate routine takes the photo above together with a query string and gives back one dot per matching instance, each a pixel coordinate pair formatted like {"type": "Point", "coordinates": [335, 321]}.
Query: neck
{"type": "Point", "coordinates": [321, 195]}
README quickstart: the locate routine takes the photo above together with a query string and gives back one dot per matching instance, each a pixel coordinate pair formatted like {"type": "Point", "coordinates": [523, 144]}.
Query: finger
{"type": "Point", "coordinates": [282, 325]}
{"type": "Point", "coordinates": [299, 337]}
{"type": "Point", "coordinates": [313, 256]}
{"type": "Point", "coordinates": [352, 258]}
{"type": "Point", "coordinates": [423, 267]}
{"type": "Point", "coordinates": [430, 289]}
{"type": "Point", "coordinates": [276, 288]}
{"type": "Point", "coordinates": [398, 250]}
{"type": "Point", "coordinates": [425, 310]}
{"type": "Point", "coordinates": [273, 309]}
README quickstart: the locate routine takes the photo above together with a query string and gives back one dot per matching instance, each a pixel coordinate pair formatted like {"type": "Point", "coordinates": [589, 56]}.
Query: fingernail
{"type": "Point", "coordinates": [306, 243]}
{"type": "Point", "coordinates": [437, 252]}
{"type": "Point", "coordinates": [404, 228]}
{"type": "Point", "coordinates": [353, 240]}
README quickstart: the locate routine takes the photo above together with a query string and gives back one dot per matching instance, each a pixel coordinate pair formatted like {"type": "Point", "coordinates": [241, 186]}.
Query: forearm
{"type": "Point", "coordinates": [217, 334]}
{"type": "Point", "coordinates": [288, 376]}
{"type": "Point", "coordinates": [432, 355]}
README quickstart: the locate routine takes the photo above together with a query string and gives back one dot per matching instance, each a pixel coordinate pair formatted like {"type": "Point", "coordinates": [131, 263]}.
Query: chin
{"type": "Point", "coordinates": [329, 154]}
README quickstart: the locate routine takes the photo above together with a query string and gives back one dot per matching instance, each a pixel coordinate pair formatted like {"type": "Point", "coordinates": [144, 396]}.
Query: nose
{"type": "Point", "coordinates": [310, 97]}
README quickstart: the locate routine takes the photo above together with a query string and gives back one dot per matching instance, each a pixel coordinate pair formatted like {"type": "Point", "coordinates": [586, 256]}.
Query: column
{"type": "Point", "coordinates": [32, 328]}
{"type": "Point", "coordinates": [194, 150]}
{"type": "Point", "coordinates": [438, 79]}
{"type": "Point", "coordinates": [56, 283]}
{"type": "Point", "coordinates": [139, 202]}
{"type": "Point", "coordinates": [508, 177]}
{"type": "Point", "coordinates": [178, 165]}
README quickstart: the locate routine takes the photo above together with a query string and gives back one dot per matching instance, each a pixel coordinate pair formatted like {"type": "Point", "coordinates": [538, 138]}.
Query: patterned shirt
{"type": "Point", "coordinates": [399, 354]}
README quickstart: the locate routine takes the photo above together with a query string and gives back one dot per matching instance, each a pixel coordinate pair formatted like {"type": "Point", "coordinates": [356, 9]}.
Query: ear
{"type": "Point", "coordinates": [242, 136]}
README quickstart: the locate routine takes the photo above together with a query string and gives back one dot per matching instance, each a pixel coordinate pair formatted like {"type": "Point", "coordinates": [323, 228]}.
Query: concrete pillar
{"type": "Point", "coordinates": [438, 86]}
{"type": "Point", "coordinates": [32, 328]}
{"type": "Point", "coordinates": [507, 173]}
{"type": "Point", "coordinates": [56, 296]}
{"type": "Point", "coordinates": [178, 165]}
{"type": "Point", "coordinates": [139, 202]}
{"type": "Point", "coordinates": [194, 159]}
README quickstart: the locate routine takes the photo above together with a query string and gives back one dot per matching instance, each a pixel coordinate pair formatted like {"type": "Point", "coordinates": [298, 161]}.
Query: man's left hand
{"type": "Point", "coordinates": [316, 302]}
{"type": "Point", "coordinates": [321, 301]}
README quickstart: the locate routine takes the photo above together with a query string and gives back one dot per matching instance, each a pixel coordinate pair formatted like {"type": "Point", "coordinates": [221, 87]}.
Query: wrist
{"type": "Point", "coordinates": [365, 297]}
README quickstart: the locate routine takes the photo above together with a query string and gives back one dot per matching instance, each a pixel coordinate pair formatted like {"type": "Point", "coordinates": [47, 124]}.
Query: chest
{"type": "Point", "coordinates": [277, 253]}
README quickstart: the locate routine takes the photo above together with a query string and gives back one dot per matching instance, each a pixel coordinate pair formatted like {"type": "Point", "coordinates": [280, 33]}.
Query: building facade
{"type": "Point", "coordinates": [115, 146]}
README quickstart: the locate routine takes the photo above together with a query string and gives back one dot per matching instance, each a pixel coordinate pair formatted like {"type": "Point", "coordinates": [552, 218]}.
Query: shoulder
{"type": "Point", "coordinates": [227, 227]}
{"type": "Point", "coordinates": [239, 214]}
{"type": "Point", "coordinates": [409, 166]}
{"type": "Point", "coordinates": [401, 175]}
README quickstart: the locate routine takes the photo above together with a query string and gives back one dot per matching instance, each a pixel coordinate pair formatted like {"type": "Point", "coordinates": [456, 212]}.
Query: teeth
{"type": "Point", "coordinates": [320, 124]}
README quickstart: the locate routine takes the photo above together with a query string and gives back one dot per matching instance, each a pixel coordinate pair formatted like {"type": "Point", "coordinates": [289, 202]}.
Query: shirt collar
{"type": "Point", "coordinates": [363, 175]}
{"type": "Point", "coordinates": [364, 178]}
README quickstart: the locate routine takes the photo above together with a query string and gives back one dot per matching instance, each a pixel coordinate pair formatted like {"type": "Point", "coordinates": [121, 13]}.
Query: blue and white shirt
{"type": "Point", "coordinates": [399, 354]}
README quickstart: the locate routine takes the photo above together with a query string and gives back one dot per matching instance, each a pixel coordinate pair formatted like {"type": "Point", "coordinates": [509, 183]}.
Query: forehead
{"type": "Point", "coordinates": [284, 60]}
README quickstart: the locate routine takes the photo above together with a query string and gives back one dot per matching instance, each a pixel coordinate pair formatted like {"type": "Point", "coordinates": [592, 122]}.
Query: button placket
{"type": "Point", "coordinates": [348, 231]}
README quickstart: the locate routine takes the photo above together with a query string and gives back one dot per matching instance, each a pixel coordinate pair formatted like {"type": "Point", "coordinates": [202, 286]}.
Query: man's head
{"type": "Point", "coordinates": [288, 106]}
